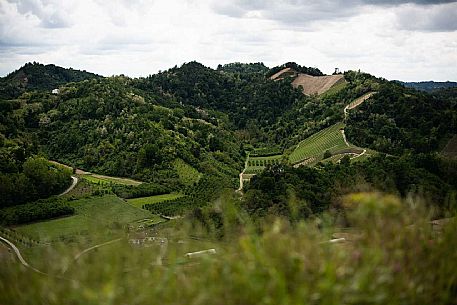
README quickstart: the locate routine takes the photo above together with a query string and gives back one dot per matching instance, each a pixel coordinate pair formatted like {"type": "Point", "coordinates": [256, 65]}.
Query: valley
{"type": "Point", "coordinates": [237, 171]}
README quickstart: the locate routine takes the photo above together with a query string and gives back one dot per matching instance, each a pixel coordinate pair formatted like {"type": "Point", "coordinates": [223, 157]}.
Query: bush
{"type": "Point", "coordinates": [35, 211]}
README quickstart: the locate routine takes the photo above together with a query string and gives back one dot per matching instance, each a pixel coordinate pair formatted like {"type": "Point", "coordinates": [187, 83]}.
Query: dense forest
{"type": "Point", "coordinates": [397, 120]}
{"type": "Point", "coordinates": [311, 191]}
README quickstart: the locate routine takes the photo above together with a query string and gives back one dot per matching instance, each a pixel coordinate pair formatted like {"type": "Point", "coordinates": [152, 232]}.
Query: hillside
{"type": "Point", "coordinates": [208, 179]}
{"type": "Point", "coordinates": [188, 130]}
{"type": "Point", "coordinates": [316, 84]}
{"type": "Point", "coordinates": [429, 85]}
{"type": "Point", "coordinates": [309, 84]}
{"type": "Point", "coordinates": [36, 76]}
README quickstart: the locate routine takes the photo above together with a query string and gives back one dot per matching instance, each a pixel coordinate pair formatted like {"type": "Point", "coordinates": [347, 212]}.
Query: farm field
{"type": "Point", "coordinates": [92, 215]}
{"type": "Point", "coordinates": [101, 179]}
{"type": "Point", "coordinates": [255, 165]}
{"type": "Point", "coordinates": [265, 152]}
{"type": "Point", "coordinates": [139, 202]}
{"type": "Point", "coordinates": [314, 146]}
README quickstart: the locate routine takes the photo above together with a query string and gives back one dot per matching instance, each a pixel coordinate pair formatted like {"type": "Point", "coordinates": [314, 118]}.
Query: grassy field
{"type": "Point", "coordinates": [139, 202]}
{"type": "Point", "coordinates": [187, 174]}
{"type": "Point", "coordinates": [314, 147]}
{"type": "Point", "coordinates": [391, 254]}
{"type": "Point", "coordinates": [92, 214]}
{"type": "Point", "coordinates": [100, 179]}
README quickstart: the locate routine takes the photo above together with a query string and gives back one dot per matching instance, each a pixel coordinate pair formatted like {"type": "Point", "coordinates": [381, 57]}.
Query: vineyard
{"type": "Point", "coordinates": [206, 191]}
{"type": "Point", "coordinates": [265, 152]}
{"type": "Point", "coordinates": [140, 202]}
{"type": "Point", "coordinates": [100, 179]}
{"type": "Point", "coordinates": [330, 139]}
{"type": "Point", "coordinates": [255, 165]}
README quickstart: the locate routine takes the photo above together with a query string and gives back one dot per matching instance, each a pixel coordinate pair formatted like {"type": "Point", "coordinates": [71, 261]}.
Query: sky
{"type": "Point", "coordinates": [410, 40]}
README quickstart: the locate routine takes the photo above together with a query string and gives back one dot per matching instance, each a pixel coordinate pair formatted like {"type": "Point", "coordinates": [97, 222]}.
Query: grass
{"type": "Point", "coordinates": [314, 146]}
{"type": "Point", "coordinates": [139, 202]}
{"type": "Point", "coordinates": [391, 255]}
{"type": "Point", "coordinates": [187, 174]}
{"type": "Point", "coordinates": [91, 214]}
{"type": "Point", "coordinates": [100, 179]}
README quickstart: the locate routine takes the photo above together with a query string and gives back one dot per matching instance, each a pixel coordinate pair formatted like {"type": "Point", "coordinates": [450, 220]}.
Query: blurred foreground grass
{"type": "Point", "coordinates": [392, 255]}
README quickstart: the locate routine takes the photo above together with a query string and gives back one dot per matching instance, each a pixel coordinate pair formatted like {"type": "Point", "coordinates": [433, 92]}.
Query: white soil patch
{"type": "Point", "coordinates": [316, 84]}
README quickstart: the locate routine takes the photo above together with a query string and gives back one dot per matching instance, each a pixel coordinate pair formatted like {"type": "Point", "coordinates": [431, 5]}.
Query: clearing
{"type": "Point", "coordinates": [139, 202]}
{"type": "Point", "coordinates": [310, 84]}
{"type": "Point", "coordinates": [316, 84]}
{"type": "Point", "coordinates": [92, 215]}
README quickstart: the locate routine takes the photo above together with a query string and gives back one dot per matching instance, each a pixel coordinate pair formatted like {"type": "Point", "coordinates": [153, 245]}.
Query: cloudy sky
{"type": "Point", "coordinates": [397, 39]}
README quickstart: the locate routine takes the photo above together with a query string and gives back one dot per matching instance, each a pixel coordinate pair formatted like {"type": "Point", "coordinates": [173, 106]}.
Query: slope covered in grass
{"type": "Point", "coordinates": [91, 215]}
{"type": "Point", "coordinates": [314, 147]}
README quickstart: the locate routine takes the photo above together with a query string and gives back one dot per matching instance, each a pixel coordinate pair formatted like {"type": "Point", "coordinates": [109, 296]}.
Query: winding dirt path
{"type": "Point", "coordinates": [77, 256]}
{"type": "Point", "coordinates": [350, 106]}
{"type": "Point", "coordinates": [240, 189]}
{"type": "Point", "coordinates": [72, 186]}
{"type": "Point", "coordinates": [357, 102]}
{"type": "Point", "coordinates": [19, 256]}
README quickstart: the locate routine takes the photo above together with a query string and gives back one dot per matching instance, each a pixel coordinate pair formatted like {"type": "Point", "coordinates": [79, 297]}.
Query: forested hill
{"type": "Point", "coordinates": [242, 91]}
{"type": "Point", "coordinates": [36, 76]}
{"type": "Point", "coordinates": [430, 85]}
{"type": "Point", "coordinates": [398, 119]}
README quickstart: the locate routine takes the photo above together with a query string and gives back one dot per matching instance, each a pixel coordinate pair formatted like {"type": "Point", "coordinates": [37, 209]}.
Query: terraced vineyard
{"type": "Point", "coordinates": [255, 165]}
{"type": "Point", "coordinates": [101, 179]}
{"type": "Point", "coordinates": [314, 146]}
{"type": "Point", "coordinates": [140, 202]}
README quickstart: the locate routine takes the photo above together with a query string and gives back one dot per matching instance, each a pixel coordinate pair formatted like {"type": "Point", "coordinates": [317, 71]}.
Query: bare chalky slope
{"type": "Point", "coordinates": [316, 84]}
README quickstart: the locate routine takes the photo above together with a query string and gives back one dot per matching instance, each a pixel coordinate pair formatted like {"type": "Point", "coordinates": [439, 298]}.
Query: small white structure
{"type": "Point", "coordinates": [200, 253]}
{"type": "Point", "coordinates": [55, 91]}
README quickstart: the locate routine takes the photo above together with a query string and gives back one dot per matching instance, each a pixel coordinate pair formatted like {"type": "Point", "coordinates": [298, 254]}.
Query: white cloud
{"type": "Point", "coordinates": [141, 37]}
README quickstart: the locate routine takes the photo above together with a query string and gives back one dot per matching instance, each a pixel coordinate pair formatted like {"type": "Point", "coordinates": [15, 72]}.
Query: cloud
{"type": "Point", "coordinates": [51, 14]}
{"type": "Point", "coordinates": [437, 18]}
{"type": "Point", "coordinates": [306, 13]}
{"type": "Point", "coordinates": [140, 37]}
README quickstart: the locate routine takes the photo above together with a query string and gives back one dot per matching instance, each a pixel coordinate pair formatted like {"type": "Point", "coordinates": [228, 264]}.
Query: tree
{"type": "Point", "coordinates": [327, 154]}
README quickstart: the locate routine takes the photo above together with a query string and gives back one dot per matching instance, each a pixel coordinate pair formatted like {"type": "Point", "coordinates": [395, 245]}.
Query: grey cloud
{"type": "Point", "coordinates": [49, 14]}
{"type": "Point", "coordinates": [303, 13]}
{"type": "Point", "coordinates": [297, 13]}
{"type": "Point", "coordinates": [437, 19]}
{"type": "Point", "coordinates": [399, 2]}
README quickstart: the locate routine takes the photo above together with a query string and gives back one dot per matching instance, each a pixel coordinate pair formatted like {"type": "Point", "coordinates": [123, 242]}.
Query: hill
{"type": "Point", "coordinates": [36, 76]}
{"type": "Point", "coordinates": [191, 127]}
{"type": "Point", "coordinates": [311, 221]}
{"type": "Point", "coordinates": [429, 85]}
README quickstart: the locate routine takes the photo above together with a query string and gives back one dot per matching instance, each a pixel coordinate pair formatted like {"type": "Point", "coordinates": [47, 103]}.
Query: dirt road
{"type": "Point", "coordinates": [72, 186]}
{"type": "Point", "coordinates": [19, 256]}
